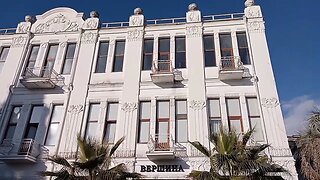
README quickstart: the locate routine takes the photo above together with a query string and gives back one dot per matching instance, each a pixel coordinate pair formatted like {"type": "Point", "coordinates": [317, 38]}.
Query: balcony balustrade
{"type": "Point", "coordinates": [161, 146]}
{"type": "Point", "coordinates": [41, 78]}
{"type": "Point", "coordinates": [230, 68]}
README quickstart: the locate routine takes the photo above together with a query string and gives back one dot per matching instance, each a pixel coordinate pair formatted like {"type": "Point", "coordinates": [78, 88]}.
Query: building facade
{"type": "Point", "coordinates": [160, 83]}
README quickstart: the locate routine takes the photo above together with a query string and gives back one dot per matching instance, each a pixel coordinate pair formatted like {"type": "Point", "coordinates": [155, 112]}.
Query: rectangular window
{"type": "Point", "coordinates": [34, 120]}
{"type": "Point", "coordinates": [209, 51]}
{"type": "Point", "coordinates": [3, 56]}
{"type": "Point", "coordinates": [119, 56]}
{"type": "Point", "coordinates": [102, 57]}
{"type": "Point", "coordinates": [214, 116]}
{"type": "Point", "coordinates": [226, 45]}
{"type": "Point", "coordinates": [14, 118]}
{"type": "Point", "coordinates": [32, 59]}
{"type": "Point", "coordinates": [147, 54]}
{"type": "Point", "coordinates": [243, 47]}
{"type": "Point", "coordinates": [56, 118]}
{"type": "Point", "coordinates": [92, 121]}
{"type": "Point", "coordinates": [110, 126]}
{"type": "Point", "coordinates": [144, 124]}
{"type": "Point", "coordinates": [162, 130]}
{"type": "Point", "coordinates": [180, 59]}
{"type": "Point", "coordinates": [68, 60]}
{"type": "Point", "coordinates": [254, 119]}
{"type": "Point", "coordinates": [49, 61]}
{"type": "Point", "coordinates": [181, 121]}
{"type": "Point", "coordinates": [234, 115]}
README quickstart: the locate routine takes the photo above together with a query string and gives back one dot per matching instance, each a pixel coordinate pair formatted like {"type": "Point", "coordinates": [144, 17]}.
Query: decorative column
{"type": "Point", "coordinates": [79, 83]}
{"type": "Point", "coordinates": [127, 123]}
{"type": "Point", "coordinates": [266, 88]}
{"type": "Point", "coordinates": [197, 113]}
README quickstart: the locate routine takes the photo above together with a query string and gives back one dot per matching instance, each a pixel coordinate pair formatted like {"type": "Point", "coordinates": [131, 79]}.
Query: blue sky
{"type": "Point", "coordinates": [291, 25]}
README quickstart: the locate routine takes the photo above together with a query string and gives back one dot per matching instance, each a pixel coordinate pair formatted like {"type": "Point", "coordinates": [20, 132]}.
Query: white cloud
{"type": "Point", "coordinates": [296, 112]}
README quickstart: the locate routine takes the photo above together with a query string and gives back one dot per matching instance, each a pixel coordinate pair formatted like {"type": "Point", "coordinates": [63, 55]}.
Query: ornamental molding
{"type": "Point", "coordinates": [44, 45]}
{"type": "Point", "coordinates": [75, 109]}
{"type": "Point", "coordinates": [197, 105]}
{"type": "Point", "coordinates": [88, 38]}
{"type": "Point", "coordinates": [256, 26]}
{"type": "Point", "coordinates": [135, 35]}
{"type": "Point", "coordinates": [23, 27]}
{"type": "Point", "coordinates": [129, 107]}
{"type": "Point", "coordinates": [129, 163]}
{"type": "Point", "coordinates": [59, 23]}
{"type": "Point", "coordinates": [253, 12]}
{"type": "Point", "coordinates": [280, 152]}
{"type": "Point", "coordinates": [136, 20]}
{"type": "Point", "coordinates": [194, 31]}
{"type": "Point", "coordinates": [193, 16]}
{"type": "Point", "coordinates": [91, 23]}
{"type": "Point", "coordinates": [63, 44]}
{"type": "Point", "coordinates": [18, 41]}
{"type": "Point", "coordinates": [270, 102]}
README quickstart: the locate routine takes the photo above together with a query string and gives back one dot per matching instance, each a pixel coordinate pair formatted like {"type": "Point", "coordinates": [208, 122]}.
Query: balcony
{"type": "Point", "coordinates": [230, 68]}
{"type": "Point", "coordinates": [24, 151]}
{"type": "Point", "coordinates": [162, 72]}
{"type": "Point", "coordinates": [41, 78]}
{"type": "Point", "coordinates": [161, 147]}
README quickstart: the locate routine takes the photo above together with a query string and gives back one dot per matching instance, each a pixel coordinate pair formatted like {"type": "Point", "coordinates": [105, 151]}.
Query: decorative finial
{"type": "Point", "coordinates": [249, 3]}
{"type": "Point", "coordinates": [193, 7]}
{"type": "Point", "coordinates": [28, 18]}
{"type": "Point", "coordinates": [137, 11]}
{"type": "Point", "coordinates": [94, 14]}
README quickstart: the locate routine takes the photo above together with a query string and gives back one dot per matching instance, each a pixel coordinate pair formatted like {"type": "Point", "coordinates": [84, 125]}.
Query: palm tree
{"type": "Point", "coordinates": [309, 146]}
{"type": "Point", "coordinates": [94, 163]}
{"type": "Point", "coordinates": [232, 159]}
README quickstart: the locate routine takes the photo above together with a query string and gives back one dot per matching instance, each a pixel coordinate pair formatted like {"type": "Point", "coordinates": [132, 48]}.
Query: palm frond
{"type": "Point", "coordinates": [200, 175]}
{"type": "Point", "coordinates": [60, 160]}
{"type": "Point", "coordinates": [246, 136]}
{"type": "Point", "coordinates": [116, 145]}
{"type": "Point", "coordinates": [87, 148]}
{"type": "Point", "coordinates": [201, 148]}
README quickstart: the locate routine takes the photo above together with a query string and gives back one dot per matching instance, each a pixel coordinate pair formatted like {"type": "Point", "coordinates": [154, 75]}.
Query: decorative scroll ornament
{"type": "Point", "coordinates": [129, 107]}
{"type": "Point", "coordinates": [57, 24]}
{"type": "Point", "coordinates": [18, 41]}
{"type": "Point", "coordinates": [256, 26]}
{"type": "Point", "coordinates": [194, 31]}
{"type": "Point", "coordinates": [253, 12]}
{"type": "Point", "coordinates": [193, 16]}
{"type": "Point", "coordinates": [197, 105]}
{"type": "Point", "coordinates": [75, 109]}
{"type": "Point", "coordinates": [269, 102]}
{"type": "Point", "coordinates": [91, 23]}
{"type": "Point", "coordinates": [88, 38]}
{"type": "Point", "coordinates": [135, 35]}
{"type": "Point", "coordinates": [280, 152]}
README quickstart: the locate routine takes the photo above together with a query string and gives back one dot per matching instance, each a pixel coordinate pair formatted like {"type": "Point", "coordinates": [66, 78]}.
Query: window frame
{"type": "Point", "coordinates": [3, 61]}
{"type": "Point", "coordinates": [115, 56]}
{"type": "Point", "coordinates": [181, 117]}
{"type": "Point", "coordinates": [255, 116]}
{"type": "Point", "coordinates": [29, 58]}
{"type": "Point", "coordinates": [230, 49]}
{"type": "Point", "coordinates": [146, 54]}
{"type": "Point", "coordinates": [65, 59]}
{"type": "Point", "coordinates": [99, 56]}
{"type": "Point", "coordinates": [9, 124]}
{"type": "Point", "coordinates": [182, 52]}
{"type": "Point", "coordinates": [234, 118]}
{"type": "Point", "coordinates": [32, 124]}
{"type": "Point", "coordinates": [143, 120]}
{"type": "Point", "coordinates": [50, 123]}
{"type": "Point", "coordinates": [248, 61]}
{"type": "Point", "coordinates": [89, 120]}
{"type": "Point", "coordinates": [109, 122]}
{"type": "Point", "coordinates": [214, 118]}
{"type": "Point", "coordinates": [208, 50]}
{"type": "Point", "coordinates": [162, 53]}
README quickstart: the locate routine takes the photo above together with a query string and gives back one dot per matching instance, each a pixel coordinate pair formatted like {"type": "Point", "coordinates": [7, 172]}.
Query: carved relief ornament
{"type": "Point", "coordinates": [18, 41]}
{"type": "Point", "coordinates": [194, 31]}
{"type": "Point", "coordinates": [129, 107]}
{"type": "Point", "coordinates": [59, 23]}
{"type": "Point", "coordinates": [256, 26]}
{"type": "Point", "coordinates": [23, 27]}
{"type": "Point", "coordinates": [91, 23]}
{"type": "Point", "coordinates": [270, 102]}
{"type": "Point", "coordinates": [197, 105]}
{"type": "Point", "coordinates": [88, 38]}
{"type": "Point", "coordinates": [135, 35]}
{"type": "Point", "coordinates": [75, 108]}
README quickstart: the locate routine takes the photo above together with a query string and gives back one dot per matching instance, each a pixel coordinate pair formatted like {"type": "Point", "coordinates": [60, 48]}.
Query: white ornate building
{"type": "Point", "coordinates": [160, 83]}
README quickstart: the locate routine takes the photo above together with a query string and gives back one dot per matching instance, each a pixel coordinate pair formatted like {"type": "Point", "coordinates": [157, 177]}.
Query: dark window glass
{"type": "Point", "coordinates": [35, 118]}
{"type": "Point", "coordinates": [243, 47]}
{"type": "Point", "coordinates": [226, 45]}
{"type": "Point", "coordinates": [180, 59]}
{"type": "Point", "coordinates": [119, 56]}
{"type": "Point", "coordinates": [66, 69]}
{"type": "Point", "coordinates": [102, 57]}
{"type": "Point", "coordinates": [14, 118]}
{"type": "Point", "coordinates": [49, 61]}
{"type": "Point", "coordinates": [147, 54]}
{"type": "Point", "coordinates": [164, 49]}
{"type": "Point", "coordinates": [209, 51]}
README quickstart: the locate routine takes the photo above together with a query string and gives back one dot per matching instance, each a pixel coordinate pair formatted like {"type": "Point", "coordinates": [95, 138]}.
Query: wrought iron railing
{"type": "Point", "coordinates": [8, 31]}
{"type": "Point", "coordinates": [231, 63]}
{"type": "Point", "coordinates": [42, 72]}
{"type": "Point", "coordinates": [161, 142]}
{"type": "Point", "coordinates": [25, 147]}
{"type": "Point", "coordinates": [162, 66]}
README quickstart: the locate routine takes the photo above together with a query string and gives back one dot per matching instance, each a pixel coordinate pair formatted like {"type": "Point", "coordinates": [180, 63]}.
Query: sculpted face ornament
{"type": "Point", "coordinates": [137, 11]}
{"type": "Point", "coordinates": [28, 18]}
{"type": "Point", "coordinates": [94, 14]}
{"type": "Point", "coordinates": [249, 3]}
{"type": "Point", "coordinates": [193, 7]}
